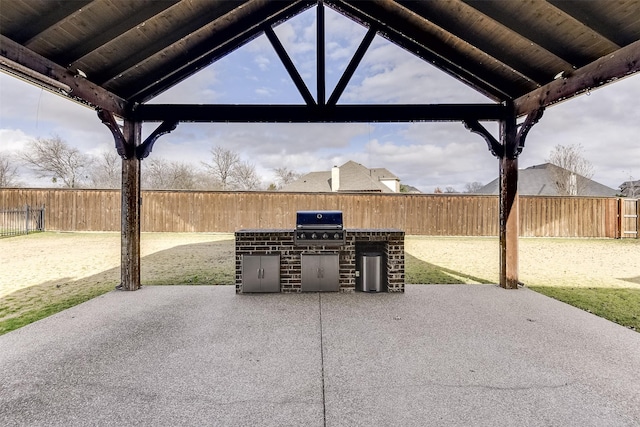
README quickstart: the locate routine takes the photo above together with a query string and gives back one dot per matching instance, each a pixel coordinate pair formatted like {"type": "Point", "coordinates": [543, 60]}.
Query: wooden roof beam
{"type": "Point", "coordinates": [318, 113]}
{"type": "Point", "coordinates": [607, 69]}
{"type": "Point", "coordinates": [28, 65]}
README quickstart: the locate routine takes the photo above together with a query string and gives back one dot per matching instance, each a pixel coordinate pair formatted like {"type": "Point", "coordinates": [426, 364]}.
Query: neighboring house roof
{"type": "Point", "coordinates": [314, 182]}
{"type": "Point", "coordinates": [540, 180]}
{"type": "Point", "coordinates": [353, 177]}
{"type": "Point", "coordinates": [630, 189]}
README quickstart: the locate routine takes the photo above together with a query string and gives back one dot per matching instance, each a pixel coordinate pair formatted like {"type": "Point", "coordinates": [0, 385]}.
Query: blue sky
{"type": "Point", "coordinates": [426, 155]}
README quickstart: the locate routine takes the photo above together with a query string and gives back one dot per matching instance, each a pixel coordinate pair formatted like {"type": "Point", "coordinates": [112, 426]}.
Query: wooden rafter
{"type": "Point", "coordinates": [82, 90]}
{"type": "Point", "coordinates": [624, 62]}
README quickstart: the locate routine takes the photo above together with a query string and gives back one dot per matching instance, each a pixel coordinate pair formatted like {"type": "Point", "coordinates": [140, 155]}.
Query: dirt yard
{"type": "Point", "coordinates": [43, 268]}
{"type": "Point", "coordinates": [543, 262]}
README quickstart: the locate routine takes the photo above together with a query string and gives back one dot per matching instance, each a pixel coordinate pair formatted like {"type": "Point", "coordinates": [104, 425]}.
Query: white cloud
{"type": "Point", "coordinates": [389, 74]}
{"type": "Point", "coordinates": [12, 140]}
{"type": "Point", "coordinates": [262, 62]}
{"type": "Point", "coordinates": [198, 88]}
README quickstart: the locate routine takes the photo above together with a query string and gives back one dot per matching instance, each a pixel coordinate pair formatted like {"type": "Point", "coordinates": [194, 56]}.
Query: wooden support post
{"type": "Point", "coordinates": [509, 204]}
{"type": "Point", "coordinates": [130, 213]}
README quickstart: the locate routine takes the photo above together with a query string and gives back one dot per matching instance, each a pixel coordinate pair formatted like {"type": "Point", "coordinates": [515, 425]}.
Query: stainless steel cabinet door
{"type": "Point", "coordinates": [320, 273]}
{"type": "Point", "coordinates": [270, 281]}
{"type": "Point", "coordinates": [261, 273]}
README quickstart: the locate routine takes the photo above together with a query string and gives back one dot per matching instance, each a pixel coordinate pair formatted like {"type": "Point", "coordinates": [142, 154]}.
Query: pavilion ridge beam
{"type": "Point", "coordinates": [318, 114]}
{"type": "Point", "coordinates": [351, 68]}
{"type": "Point", "coordinates": [289, 66]}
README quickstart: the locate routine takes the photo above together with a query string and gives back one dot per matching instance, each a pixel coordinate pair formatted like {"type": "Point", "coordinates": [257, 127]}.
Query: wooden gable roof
{"type": "Point", "coordinates": [117, 54]}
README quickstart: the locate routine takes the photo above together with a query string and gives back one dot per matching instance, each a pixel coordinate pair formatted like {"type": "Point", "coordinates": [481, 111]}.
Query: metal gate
{"type": "Point", "coordinates": [629, 222]}
{"type": "Point", "coordinates": [17, 221]}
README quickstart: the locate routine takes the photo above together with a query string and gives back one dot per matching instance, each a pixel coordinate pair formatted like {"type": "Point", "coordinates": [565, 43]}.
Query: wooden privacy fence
{"type": "Point", "coordinates": [422, 214]}
{"type": "Point", "coordinates": [629, 218]}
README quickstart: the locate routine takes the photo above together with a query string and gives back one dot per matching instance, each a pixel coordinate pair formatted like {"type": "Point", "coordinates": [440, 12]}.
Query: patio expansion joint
{"type": "Point", "coordinates": [324, 406]}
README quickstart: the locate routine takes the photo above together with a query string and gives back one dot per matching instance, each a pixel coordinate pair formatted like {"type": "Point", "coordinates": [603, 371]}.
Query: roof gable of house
{"type": "Point", "coordinates": [354, 177]}
{"type": "Point", "coordinates": [540, 180]}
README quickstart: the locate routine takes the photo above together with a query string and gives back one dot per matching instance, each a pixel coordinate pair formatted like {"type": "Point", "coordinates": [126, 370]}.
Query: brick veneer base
{"type": "Point", "coordinates": [276, 241]}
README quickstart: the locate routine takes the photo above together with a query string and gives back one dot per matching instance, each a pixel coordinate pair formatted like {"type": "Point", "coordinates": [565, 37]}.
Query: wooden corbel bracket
{"type": "Point", "coordinates": [532, 118]}
{"type": "Point", "coordinates": [124, 149]}
{"type": "Point", "coordinates": [143, 150]}
{"type": "Point", "coordinates": [494, 146]}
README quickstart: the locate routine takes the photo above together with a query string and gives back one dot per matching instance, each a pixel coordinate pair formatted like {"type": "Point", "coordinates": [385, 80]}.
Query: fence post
{"type": "Point", "coordinates": [26, 218]}
{"type": "Point", "coordinates": [42, 224]}
{"type": "Point", "coordinates": [619, 221]}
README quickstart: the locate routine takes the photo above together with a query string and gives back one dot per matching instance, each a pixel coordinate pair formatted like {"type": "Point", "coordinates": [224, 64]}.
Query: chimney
{"type": "Point", "coordinates": [335, 178]}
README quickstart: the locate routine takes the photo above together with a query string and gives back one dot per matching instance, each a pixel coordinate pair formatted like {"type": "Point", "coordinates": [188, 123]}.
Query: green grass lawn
{"type": "Point", "coordinates": [599, 276]}
{"type": "Point", "coordinates": [620, 305]}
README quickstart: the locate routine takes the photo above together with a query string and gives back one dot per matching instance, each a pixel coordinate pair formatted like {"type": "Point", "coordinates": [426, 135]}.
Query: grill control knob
{"type": "Point", "coordinates": [325, 236]}
{"type": "Point", "coordinates": [314, 236]}
{"type": "Point", "coordinates": [336, 236]}
{"type": "Point", "coordinates": [302, 236]}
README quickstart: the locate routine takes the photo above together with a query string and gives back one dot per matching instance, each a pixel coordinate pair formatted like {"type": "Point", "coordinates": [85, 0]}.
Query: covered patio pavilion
{"type": "Point", "coordinates": [115, 56]}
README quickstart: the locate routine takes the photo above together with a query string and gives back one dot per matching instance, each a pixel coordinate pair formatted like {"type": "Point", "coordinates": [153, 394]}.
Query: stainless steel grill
{"type": "Point", "coordinates": [319, 228]}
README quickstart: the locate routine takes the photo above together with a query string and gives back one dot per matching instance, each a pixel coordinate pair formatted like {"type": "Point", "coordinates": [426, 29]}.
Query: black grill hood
{"type": "Point", "coordinates": [321, 219]}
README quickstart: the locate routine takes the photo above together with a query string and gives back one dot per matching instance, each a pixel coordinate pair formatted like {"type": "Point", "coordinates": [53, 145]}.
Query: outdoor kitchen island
{"type": "Point", "coordinates": [277, 260]}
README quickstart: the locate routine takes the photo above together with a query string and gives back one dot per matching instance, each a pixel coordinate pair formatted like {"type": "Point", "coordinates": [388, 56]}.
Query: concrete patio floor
{"type": "Point", "coordinates": [452, 355]}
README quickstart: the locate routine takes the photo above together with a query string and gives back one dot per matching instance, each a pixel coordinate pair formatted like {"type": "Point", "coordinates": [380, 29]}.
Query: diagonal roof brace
{"type": "Point", "coordinates": [289, 66]}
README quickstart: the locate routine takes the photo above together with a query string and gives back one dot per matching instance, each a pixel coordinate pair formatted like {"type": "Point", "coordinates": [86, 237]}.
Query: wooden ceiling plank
{"type": "Point", "coordinates": [81, 89]}
{"type": "Point", "coordinates": [558, 32]}
{"type": "Point", "coordinates": [491, 37]}
{"type": "Point", "coordinates": [214, 42]}
{"type": "Point", "coordinates": [103, 35]}
{"type": "Point", "coordinates": [607, 69]}
{"type": "Point", "coordinates": [152, 37]}
{"type": "Point", "coordinates": [620, 23]}
{"type": "Point", "coordinates": [49, 14]}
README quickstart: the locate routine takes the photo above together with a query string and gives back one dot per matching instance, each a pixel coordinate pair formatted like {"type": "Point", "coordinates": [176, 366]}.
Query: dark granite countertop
{"type": "Point", "coordinates": [348, 230]}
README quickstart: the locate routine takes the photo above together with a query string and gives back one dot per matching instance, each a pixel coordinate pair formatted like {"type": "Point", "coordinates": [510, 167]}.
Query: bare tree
{"type": "Point", "coordinates": [285, 176]}
{"type": "Point", "coordinates": [450, 190]}
{"type": "Point", "coordinates": [182, 176]}
{"type": "Point", "coordinates": [154, 173]}
{"type": "Point", "coordinates": [573, 170]}
{"type": "Point", "coordinates": [107, 170]}
{"type": "Point", "coordinates": [56, 159]}
{"type": "Point", "coordinates": [8, 171]}
{"type": "Point", "coordinates": [472, 187]}
{"type": "Point", "coordinates": [244, 177]}
{"type": "Point", "coordinates": [161, 174]}
{"type": "Point", "coordinates": [223, 163]}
